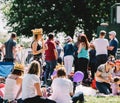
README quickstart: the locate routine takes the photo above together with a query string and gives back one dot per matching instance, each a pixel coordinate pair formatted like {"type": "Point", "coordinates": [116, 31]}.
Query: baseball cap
{"type": "Point", "coordinates": [68, 38]}
{"type": "Point", "coordinates": [112, 33]}
{"type": "Point", "coordinates": [103, 31]}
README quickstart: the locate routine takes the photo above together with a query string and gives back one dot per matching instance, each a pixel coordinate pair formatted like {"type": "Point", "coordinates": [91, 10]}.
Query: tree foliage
{"type": "Point", "coordinates": [57, 15]}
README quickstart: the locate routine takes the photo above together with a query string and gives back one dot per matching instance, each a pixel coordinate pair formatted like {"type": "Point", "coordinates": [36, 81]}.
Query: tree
{"type": "Point", "coordinates": [57, 15]}
{"type": "Point", "coordinates": [51, 15]}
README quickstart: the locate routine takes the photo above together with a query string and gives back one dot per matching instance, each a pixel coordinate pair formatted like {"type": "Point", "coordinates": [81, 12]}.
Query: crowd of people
{"type": "Point", "coordinates": [97, 57]}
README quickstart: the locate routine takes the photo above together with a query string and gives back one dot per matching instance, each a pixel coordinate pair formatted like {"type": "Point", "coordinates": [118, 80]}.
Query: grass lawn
{"type": "Point", "coordinates": [102, 99]}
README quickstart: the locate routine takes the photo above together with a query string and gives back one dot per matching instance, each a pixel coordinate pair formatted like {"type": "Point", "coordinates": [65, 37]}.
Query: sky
{"type": "Point", "coordinates": [2, 23]}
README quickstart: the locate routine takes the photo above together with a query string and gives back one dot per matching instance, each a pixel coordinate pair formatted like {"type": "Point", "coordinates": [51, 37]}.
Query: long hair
{"type": "Point", "coordinates": [34, 68]}
{"type": "Point", "coordinates": [84, 40]}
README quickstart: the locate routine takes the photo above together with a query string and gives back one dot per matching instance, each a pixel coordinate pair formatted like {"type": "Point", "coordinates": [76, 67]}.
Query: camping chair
{"type": "Point", "coordinates": [6, 68]}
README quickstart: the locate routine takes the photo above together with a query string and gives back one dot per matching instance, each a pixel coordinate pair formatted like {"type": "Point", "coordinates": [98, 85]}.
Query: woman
{"type": "Point", "coordinates": [68, 55]}
{"type": "Point", "coordinates": [83, 56]}
{"type": "Point", "coordinates": [103, 77]}
{"type": "Point", "coordinates": [64, 95]}
{"type": "Point", "coordinates": [37, 45]}
{"type": "Point", "coordinates": [13, 83]}
{"type": "Point", "coordinates": [31, 88]}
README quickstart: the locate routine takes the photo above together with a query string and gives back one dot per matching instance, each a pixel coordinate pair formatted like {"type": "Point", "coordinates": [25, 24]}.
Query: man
{"type": "Point", "coordinates": [113, 44]}
{"type": "Point", "coordinates": [51, 56]}
{"type": "Point", "coordinates": [101, 44]}
{"type": "Point", "coordinates": [10, 49]}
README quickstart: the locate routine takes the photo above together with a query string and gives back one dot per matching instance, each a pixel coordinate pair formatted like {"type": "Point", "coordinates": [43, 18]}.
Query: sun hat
{"type": "Point", "coordinates": [37, 31]}
{"type": "Point", "coordinates": [18, 66]}
{"type": "Point", "coordinates": [112, 33]}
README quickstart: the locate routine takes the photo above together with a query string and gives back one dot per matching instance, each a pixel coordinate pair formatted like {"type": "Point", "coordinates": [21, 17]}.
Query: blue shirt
{"type": "Point", "coordinates": [68, 49]}
{"type": "Point", "coordinates": [113, 43]}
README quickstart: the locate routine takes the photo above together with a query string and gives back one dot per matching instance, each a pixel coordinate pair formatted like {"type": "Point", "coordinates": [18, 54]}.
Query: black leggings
{"type": "Point", "coordinates": [83, 65]}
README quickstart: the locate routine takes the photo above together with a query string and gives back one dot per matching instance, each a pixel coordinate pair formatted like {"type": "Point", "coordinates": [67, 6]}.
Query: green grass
{"type": "Point", "coordinates": [100, 99]}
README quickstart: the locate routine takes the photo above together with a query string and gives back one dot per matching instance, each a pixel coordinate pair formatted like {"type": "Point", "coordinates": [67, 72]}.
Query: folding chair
{"type": "Point", "coordinates": [6, 68]}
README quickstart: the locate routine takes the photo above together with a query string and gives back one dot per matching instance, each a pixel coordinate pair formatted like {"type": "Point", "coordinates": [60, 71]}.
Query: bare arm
{"type": "Point", "coordinates": [37, 87]}
{"type": "Point", "coordinates": [19, 82]}
{"type": "Point", "coordinates": [2, 49]}
{"type": "Point", "coordinates": [45, 47]}
{"type": "Point", "coordinates": [56, 54]}
{"type": "Point", "coordinates": [34, 49]}
{"type": "Point", "coordinates": [79, 48]}
{"type": "Point", "coordinates": [110, 48]}
{"type": "Point", "coordinates": [14, 51]}
{"type": "Point", "coordinates": [98, 77]}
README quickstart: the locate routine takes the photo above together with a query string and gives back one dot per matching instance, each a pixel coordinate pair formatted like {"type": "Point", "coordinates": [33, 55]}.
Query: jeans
{"type": "Point", "coordinates": [103, 87]}
{"type": "Point", "coordinates": [50, 65]}
{"type": "Point", "coordinates": [78, 97]}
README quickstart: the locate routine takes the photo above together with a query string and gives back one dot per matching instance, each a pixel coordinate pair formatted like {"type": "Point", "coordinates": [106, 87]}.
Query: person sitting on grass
{"type": "Point", "coordinates": [62, 88]}
{"type": "Point", "coordinates": [31, 86]}
{"type": "Point", "coordinates": [103, 77]}
{"type": "Point", "coordinates": [13, 83]}
{"type": "Point", "coordinates": [116, 72]}
{"type": "Point", "coordinates": [116, 88]}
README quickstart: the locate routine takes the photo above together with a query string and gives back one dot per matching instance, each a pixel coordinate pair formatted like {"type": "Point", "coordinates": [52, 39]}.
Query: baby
{"type": "Point", "coordinates": [117, 82]}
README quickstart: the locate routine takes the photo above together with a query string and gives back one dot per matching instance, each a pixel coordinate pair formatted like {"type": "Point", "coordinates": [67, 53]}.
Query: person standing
{"type": "Point", "coordinates": [51, 56]}
{"type": "Point", "coordinates": [10, 48]}
{"type": "Point", "coordinates": [68, 55]}
{"type": "Point", "coordinates": [38, 44]}
{"type": "Point", "coordinates": [101, 44]}
{"type": "Point", "coordinates": [113, 44]}
{"type": "Point", "coordinates": [83, 56]}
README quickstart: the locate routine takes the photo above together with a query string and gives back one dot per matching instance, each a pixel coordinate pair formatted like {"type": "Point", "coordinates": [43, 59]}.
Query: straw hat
{"type": "Point", "coordinates": [18, 66]}
{"type": "Point", "coordinates": [37, 31]}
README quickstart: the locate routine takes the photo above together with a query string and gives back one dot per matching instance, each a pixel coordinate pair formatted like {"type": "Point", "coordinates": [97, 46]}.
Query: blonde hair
{"type": "Point", "coordinates": [34, 68]}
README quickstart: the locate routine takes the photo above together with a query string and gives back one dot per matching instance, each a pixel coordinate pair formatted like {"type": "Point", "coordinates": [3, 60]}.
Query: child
{"type": "Point", "coordinates": [116, 72]}
{"type": "Point", "coordinates": [117, 82]}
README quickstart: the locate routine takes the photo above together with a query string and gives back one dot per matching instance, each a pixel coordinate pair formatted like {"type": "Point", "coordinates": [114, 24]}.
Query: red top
{"type": "Point", "coordinates": [49, 53]}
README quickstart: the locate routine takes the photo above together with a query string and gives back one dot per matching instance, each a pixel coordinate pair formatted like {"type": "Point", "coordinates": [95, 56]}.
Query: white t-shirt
{"type": "Point", "coordinates": [61, 90]}
{"type": "Point", "coordinates": [101, 45]}
{"type": "Point", "coordinates": [11, 89]}
{"type": "Point", "coordinates": [28, 88]}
